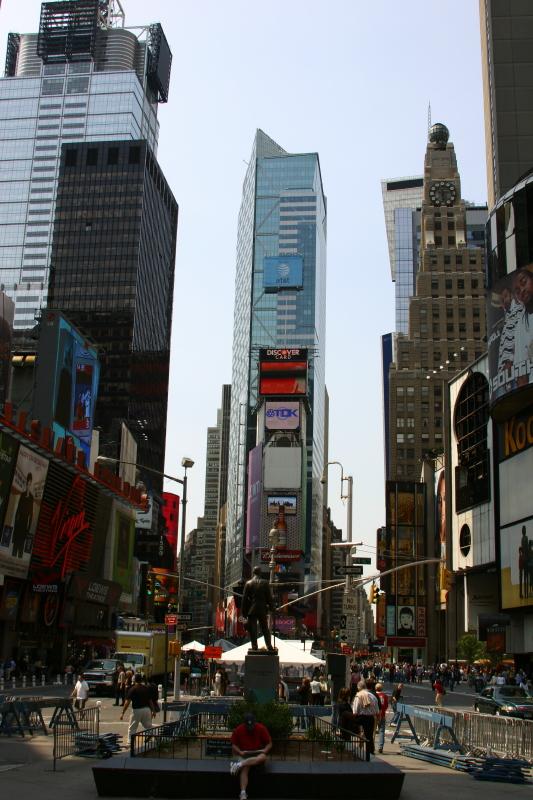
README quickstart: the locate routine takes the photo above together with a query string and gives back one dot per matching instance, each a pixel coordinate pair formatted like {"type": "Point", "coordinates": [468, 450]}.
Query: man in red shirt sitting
{"type": "Point", "coordinates": [251, 742]}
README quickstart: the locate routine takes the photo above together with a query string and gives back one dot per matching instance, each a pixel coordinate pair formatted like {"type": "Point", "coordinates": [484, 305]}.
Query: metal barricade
{"type": "Point", "coordinates": [72, 739]}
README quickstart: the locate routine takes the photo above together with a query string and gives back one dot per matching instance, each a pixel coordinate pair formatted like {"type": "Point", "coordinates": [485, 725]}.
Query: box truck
{"type": "Point", "coordinates": [142, 651]}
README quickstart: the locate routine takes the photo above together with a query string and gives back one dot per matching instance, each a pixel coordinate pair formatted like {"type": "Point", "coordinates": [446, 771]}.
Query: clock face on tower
{"type": "Point", "coordinates": [442, 193]}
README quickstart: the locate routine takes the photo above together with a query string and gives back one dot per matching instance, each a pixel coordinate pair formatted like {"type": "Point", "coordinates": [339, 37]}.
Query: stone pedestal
{"type": "Point", "coordinates": [261, 676]}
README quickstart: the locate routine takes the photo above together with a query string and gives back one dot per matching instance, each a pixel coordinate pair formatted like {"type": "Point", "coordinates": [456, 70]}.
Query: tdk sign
{"type": "Point", "coordinates": [282, 416]}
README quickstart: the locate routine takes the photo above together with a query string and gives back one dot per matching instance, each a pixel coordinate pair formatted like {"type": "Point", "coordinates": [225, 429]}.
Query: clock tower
{"type": "Point", "coordinates": [446, 314]}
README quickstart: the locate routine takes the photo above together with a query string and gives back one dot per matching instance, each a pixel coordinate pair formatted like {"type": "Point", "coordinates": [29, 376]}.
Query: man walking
{"type": "Point", "coordinates": [142, 706]}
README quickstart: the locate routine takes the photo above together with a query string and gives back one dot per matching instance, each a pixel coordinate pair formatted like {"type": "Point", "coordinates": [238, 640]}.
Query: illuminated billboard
{"type": "Point", "coordinates": [282, 371]}
{"type": "Point", "coordinates": [66, 381]}
{"type": "Point", "coordinates": [510, 333]}
{"type": "Point", "coordinates": [281, 416]}
{"type": "Point", "coordinates": [282, 272]}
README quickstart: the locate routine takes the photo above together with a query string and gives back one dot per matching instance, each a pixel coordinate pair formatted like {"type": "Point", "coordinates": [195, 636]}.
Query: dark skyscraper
{"type": "Point", "coordinates": [112, 274]}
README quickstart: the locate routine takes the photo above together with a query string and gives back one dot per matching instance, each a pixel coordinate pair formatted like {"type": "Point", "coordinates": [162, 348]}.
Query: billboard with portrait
{"type": "Point", "coordinates": [510, 333]}
{"type": "Point", "coordinates": [22, 512]}
{"type": "Point", "coordinates": [66, 383]}
{"type": "Point", "coordinates": [8, 456]}
{"type": "Point", "coordinates": [406, 621]}
{"type": "Point", "coordinates": [282, 272]}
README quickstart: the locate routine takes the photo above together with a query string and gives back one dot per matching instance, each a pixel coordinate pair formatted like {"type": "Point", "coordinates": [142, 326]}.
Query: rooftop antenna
{"type": "Point", "coordinates": [429, 115]}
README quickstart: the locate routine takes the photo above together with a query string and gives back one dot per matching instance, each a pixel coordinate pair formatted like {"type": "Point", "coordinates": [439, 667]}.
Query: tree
{"type": "Point", "coordinates": [470, 648]}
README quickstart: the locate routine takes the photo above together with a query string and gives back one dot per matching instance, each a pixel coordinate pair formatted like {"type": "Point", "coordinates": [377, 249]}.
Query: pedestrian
{"type": "Point", "coordinates": [250, 742]}
{"type": "Point", "coordinates": [217, 683]}
{"type": "Point", "coordinates": [304, 692]}
{"type": "Point", "coordinates": [324, 690]}
{"type": "Point", "coordinates": [142, 706]}
{"type": "Point", "coordinates": [396, 697]}
{"type": "Point", "coordinates": [315, 691]}
{"type": "Point", "coordinates": [440, 691]}
{"type": "Point", "coordinates": [80, 692]}
{"type": "Point", "coordinates": [120, 686]}
{"type": "Point", "coordinates": [382, 716]}
{"type": "Point", "coordinates": [342, 713]}
{"type": "Point", "coordinates": [283, 691]}
{"type": "Point", "coordinates": [366, 710]}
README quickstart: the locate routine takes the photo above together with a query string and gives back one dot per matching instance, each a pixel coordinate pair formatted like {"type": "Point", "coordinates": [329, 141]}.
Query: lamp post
{"type": "Point", "coordinates": [186, 463]}
{"type": "Point", "coordinates": [348, 496]}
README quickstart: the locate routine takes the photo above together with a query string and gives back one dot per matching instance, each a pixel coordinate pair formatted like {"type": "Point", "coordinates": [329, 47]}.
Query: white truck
{"type": "Point", "coordinates": [142, 651]}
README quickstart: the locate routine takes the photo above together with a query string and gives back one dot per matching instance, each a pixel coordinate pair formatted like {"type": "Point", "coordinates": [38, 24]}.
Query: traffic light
{"type": "Point", "coordinates": [373, 594]}
{"type": "Point", "coordinates": [149, 585]}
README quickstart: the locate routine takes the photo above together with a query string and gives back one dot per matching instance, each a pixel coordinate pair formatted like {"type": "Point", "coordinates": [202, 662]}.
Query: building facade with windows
{"type": "Point", "coordinates": [282, 216]}
{"type": "Point", "coordinates": [83, 77]}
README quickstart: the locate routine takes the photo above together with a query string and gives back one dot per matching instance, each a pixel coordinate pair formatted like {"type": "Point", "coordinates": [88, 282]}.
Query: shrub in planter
{"type": "Point", "coordinates": [276, 717]}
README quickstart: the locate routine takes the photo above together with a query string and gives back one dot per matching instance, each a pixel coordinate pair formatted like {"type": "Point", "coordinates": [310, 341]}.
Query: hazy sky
{"type": "Point", "coordinates": [350, 80]}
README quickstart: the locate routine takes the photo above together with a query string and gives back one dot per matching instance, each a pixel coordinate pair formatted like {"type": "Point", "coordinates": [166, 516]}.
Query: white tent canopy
{"type": "Point", "coordinates": [289, 655]}
{"type": "Point", "coordinates": [198, 646]}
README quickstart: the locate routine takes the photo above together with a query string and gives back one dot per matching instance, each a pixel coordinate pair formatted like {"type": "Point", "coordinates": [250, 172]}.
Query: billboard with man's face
{"type": "Point", "coordinates": [510, 331]}
{"type": "Point", "coordinates": [22, 512]}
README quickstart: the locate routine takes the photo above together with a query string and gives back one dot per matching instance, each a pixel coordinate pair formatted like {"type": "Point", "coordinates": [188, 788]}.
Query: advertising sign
{"type": "Point", "coordinates": [255, 481]}
{"type": "Point", "coordinates": [66, 380]}
{"type": "Point", "coordinates": [282, 272]}
{"type": "Point", "coordinates": [281, 416]}
{"type": "Point", "coordinates": [10, 600]}
{"type": "Point", "coordinates": [440, 536]}
{"type": "Point", "coordinates": [510, 328]}
{"type": "Point", "coordinates": [406, 621]}
{"type": "Point", "coordinates": [144, 517]}
{"type": "Point", "coordinates": [22, 512]}
{"type": "Point", "coordinates": [275, 501]}
{"type": "Point", "coordinates": [391, 620]}
{"type": "Point", "coordinates": [123, 551]}
{"type": "Point", "coordinates": [8, 457]}
{"type": "Point", "coordinates": [516, 557]}
{"type": "Point", "coordinates": [212, 651]}
{"type": "Point", "coordinates": [7, 313]}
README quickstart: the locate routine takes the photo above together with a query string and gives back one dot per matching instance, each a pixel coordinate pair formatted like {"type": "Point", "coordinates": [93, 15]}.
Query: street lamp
{"type": "Point", "coordinates": [347, 496]}
{"type": "Point", "coordinates": [186, 463]}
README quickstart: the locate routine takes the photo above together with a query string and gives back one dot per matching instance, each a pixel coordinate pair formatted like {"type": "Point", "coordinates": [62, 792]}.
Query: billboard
{"type": "Point", "coordinates": [281, 416]}
{"type": "Point", "coordinates": [282, 272]}
{"type": "Point", "coordinates": [255, 481]}
{"type": "Point", "coordinates": [7, 313]}
{"type": "Point", "coordinates": [282, 371]}
{"type": "Point", "coordinates": [22, 512]}
{"type": "Point", "coordinates": [515, 529]}
{"type": "Point", "coordinates": [406, 621]}
{"type": "Point", "coordinates": [283, 468]}
{"type": "Point", "coordinates": [440, 536]}
{"type": "Point", "coordinates": [510, 332]}
{"type": "Point", "coordinates": [66, 383]}
{"type": "Point", "coordinates": [123, 551]}
{"type": "Point", "coordinates": [275, 501]}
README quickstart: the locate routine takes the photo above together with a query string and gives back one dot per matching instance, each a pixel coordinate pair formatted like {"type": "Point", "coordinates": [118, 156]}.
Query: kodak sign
{"type": "Point", "coordinates": [516, 435]}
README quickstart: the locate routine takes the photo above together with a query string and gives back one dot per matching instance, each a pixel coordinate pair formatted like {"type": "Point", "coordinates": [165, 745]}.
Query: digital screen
{"type": "Point", "coordinates": [275, 501]}
{"type": "Point", "coordinates": [282, 272]}
{"type": "Point", "coordinates": [283, 354]}
{"type": "Point", "coordinates": [283, 385]}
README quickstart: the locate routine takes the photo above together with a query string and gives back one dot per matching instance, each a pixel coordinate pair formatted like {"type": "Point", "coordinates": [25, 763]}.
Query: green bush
{"type": "Point", "coordinates": [276, 717]}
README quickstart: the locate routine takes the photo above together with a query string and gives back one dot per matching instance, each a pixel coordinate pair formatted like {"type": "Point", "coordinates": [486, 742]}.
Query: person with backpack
{"type": "Point", "coordinates": [380, 728]}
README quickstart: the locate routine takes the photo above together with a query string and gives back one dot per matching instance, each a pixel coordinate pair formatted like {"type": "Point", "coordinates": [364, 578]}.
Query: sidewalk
{"type": "Point", "coordinates": [26, 773]}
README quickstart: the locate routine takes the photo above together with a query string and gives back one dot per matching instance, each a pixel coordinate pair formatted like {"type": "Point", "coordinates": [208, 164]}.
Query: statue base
{"type": "Point", "coordinates": [261, 676]}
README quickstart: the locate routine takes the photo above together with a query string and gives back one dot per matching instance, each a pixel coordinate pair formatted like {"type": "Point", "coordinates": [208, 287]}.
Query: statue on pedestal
{"type": "Point", "coordinates": [257, 601]}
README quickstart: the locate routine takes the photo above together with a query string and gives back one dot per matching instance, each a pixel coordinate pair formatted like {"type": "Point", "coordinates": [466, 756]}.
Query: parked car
{"type": "Point", "coordinates": [99, 675]}
{"type": "Point", "coordinates": [505, 701]}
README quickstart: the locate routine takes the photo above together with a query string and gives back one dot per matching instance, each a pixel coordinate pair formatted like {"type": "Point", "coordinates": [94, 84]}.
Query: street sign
{"type": "Point", "coordinates": [361, 560]}
{"type": "Point", "coordinates": [341, 570]}
{"type": "Point", "coordinates": [181, 626]}
{"type": "Point", "coordinates": [171, 619]}
{"type": "Point", "coordinates": [183, 616]}
{"type": "Point", "coordinates": [349, 604]}
{"type": "Point", "coordinates": [212, 652]}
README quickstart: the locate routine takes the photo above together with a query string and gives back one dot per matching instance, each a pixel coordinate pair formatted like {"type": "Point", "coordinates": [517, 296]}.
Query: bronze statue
{"type": "Point", "coordinates": [257, 601]}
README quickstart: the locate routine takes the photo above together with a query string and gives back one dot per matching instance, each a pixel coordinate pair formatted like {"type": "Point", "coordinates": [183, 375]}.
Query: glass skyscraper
{"type": "Point", "coordinates": [283, 212]}
{"type": "Point", "coordinates": [78, 79]}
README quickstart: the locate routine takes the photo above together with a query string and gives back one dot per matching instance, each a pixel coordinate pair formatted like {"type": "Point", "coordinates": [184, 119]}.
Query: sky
{"type": "Point", "coordinates": [350, 80]}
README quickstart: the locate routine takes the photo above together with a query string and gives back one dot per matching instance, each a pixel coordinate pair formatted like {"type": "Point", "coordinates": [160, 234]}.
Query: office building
{"type": "Point", "coordinates": [82, 77]}
{"type": "Point", "coordinates": [446, 314]}
{"type": "Point", "coordinates": [279, 305]}
{"type": "Point", "coordinates": [112, 274]}
{"type": "Point", "coordinates": [507, 68]}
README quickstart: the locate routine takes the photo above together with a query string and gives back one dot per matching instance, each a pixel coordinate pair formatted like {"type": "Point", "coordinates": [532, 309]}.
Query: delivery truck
{"type": "Point", "coordinates": [142, 651]}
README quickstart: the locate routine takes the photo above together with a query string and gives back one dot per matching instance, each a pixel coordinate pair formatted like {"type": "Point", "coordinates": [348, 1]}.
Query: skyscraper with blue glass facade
{"type": "Point", "coordinates": [283, 213]}
{"type": "Point", "coordinates": [82, 77]}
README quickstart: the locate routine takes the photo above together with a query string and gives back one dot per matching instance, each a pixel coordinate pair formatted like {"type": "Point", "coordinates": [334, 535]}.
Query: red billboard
{"type": "Point", "coordinates": [283, 371]}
